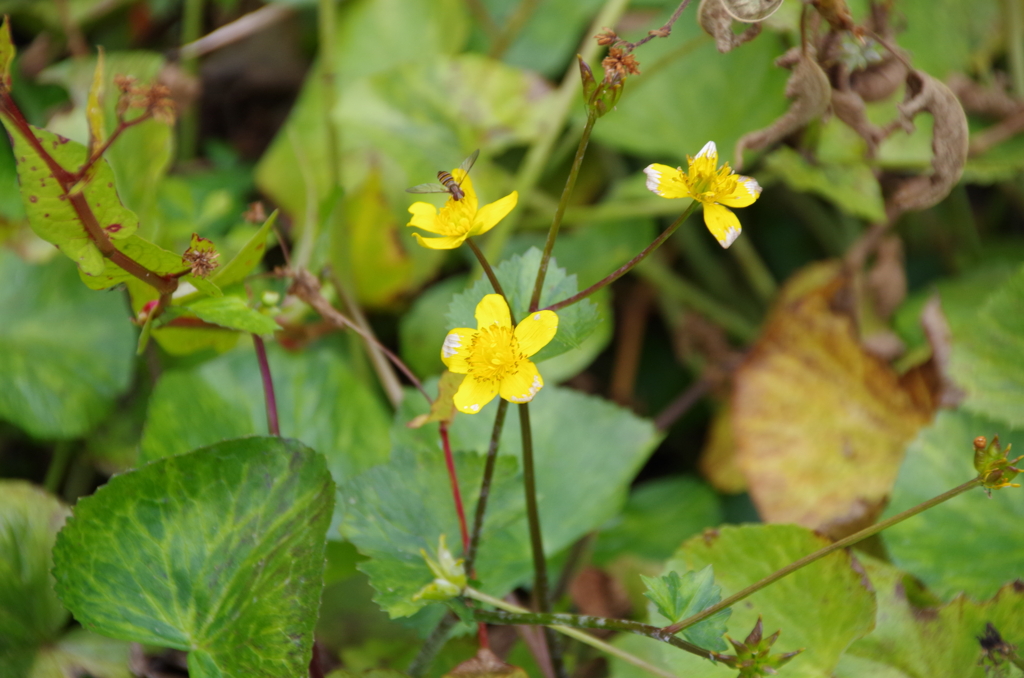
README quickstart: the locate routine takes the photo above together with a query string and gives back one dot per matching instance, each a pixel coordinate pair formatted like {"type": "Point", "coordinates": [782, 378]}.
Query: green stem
{"type": "Point", "coordinates": [188, 126]}
{"type": "Point", "coordinates": [540, 567]}
{"type": "Point", "coordinates": [432, 645]}
{"type": "Point", "coordinates": [819, 554]}
{"type": "Point", "coordinates": [585, 638]}
{"type": "Point", "coordinates": [489, 272]}
{"type": "Point", "coordinates": [327, 23]}
{"type": "Point", "coordinates": [673, 287]}
{"type": "Point", "coordinates": [485, 484]}
{"type": "Point", "coordinates": [625, 268]}
{"type": "Point", "coordinates": [556, 222]}
{"type": "Point", "coordinates": [537, 156]}
{"type": "Point", "coordinates": [1015, 43]}
{"type": "Point", "coordinates": [754, 269]}
{"type": "Point", "coordinates": [58, 466]}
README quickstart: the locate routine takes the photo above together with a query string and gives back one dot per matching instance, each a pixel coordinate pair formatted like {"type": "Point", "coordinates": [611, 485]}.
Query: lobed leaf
{"type": "Point", "coordinates": [219, 552]}
{"type": "Point", "coordinates": [680, 597]}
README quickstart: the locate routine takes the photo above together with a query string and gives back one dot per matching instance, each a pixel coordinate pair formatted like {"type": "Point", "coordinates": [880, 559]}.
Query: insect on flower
{"type": "Point", "coordinates": [448, 183]}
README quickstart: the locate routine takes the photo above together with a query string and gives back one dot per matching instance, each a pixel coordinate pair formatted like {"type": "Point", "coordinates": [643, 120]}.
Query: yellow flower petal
{"type": "Point", "coordinates": [722, 223]}
{"type": "Point", "coordinates": [523, 385]}
{"type": "Point", "coordinates": [466, 184]}
{"type": "Point", "coordinates": [710, 151]}
{"type": "Point", "coordinates": [455, 349]}
{"type": "Point", "coordinates": [492, 310]}
{"type": "Point", "coordinates": [746, 192]}
{"type": "Point", "coordinates": [473, 395]}
{"type": "Point", "coordinates": [668, 182]}
{"type": "Point", "coordinates": [446, 243]}
{"type": "Point", "coordinates": [424, 216]}
{"type": "Point", "coordinates": [535, 331]}
{"type": "Point", "coordinates": [490, 215]}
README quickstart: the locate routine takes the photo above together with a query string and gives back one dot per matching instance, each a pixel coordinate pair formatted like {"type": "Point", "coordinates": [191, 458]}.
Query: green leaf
{"type": "Point", "coordinates": [972, 543]}
{"type": "Point", "coordinates": [208, 552]}
{"type": "Point", "coordinates": [248, 258]}
{"type": "Point", "coordinates": [986, 359]}
{"type": "Point", "coordinates": [517, 275]}
{"type": "Point", "coordinates": [49, 210]}
{"type": "Point", "coordinates": [822, 607]}
{"type": "Point", "coordinates": [852, 187]}
{"type": "Point", "coordinates": [658, 517]}
{"type": "Point", "coordinates": [65, 352]}
{"type": "Point", "coordinates": [30, 613]}
{"type": "Point", "coordinates": [94, 113]}
{"type": "Point", "coordinates": [680, 597]}
{"type": "Point", "coordinates": [7, 52]}
{"type": "Point", "coordinates": [153, 257]}
{"type": "Point", "coordinates": [586, 452]}
{"type": "Point", "coordinates": [142, 154]}
{"type": "Point", "coordinates": [319, 401]}
{"type": "Point", "coordinates": [233, 313]}
{"type": "Point", "coordinates": [913, 638]}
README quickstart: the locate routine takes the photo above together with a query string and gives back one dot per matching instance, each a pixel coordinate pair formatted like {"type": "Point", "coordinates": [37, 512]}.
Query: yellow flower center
{"type": "Point", "coordinates": [494, 354]}
{"type": "Point", "coordinates": [705, 183]}
{"type": "Point", "coordinates": [455, 218]}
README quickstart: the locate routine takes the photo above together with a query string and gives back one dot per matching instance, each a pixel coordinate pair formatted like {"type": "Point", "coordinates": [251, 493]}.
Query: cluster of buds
{"type": "Point", "coordinates": [449, 575]}
{"type": "Point", "coordinates": [154, 100]}
{"type": "Point", "coordinates": [620, 62]}
{"type": "Point", "coordinates": [753, 656]}
{"type": "Point", "coordinates": [993, 465]}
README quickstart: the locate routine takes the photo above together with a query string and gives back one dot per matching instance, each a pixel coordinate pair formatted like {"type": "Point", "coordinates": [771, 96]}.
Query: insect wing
{"type": "Point", "coordinates": [427, 188]}
{"type": "Point", "coordinates": [467, 164]}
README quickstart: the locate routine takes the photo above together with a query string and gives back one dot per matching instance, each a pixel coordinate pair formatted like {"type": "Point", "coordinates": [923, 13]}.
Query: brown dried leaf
{"type": "Point", "coordinates": [717, 22]}
{"type": "Point", "coordinates": [820, 424]}
{"type": "Point", "coordinates": [836, 13]}
{"type": "Point", "coordinates": [849, 107]}
{"type": "Point", "coordinates": [718, 458]}
{"type": "Point", "coordinates": [485, 665]}
{"type": "Point", "coordinates": [595, 592]}
{"type": "Point", "coordinates": [443, 408]}
{"type": "Point", "coordinates": [949, 145]}
{"type": "Point", "coordinates": [940, 337]}
{"type": "Point", "coordinates": [887, 279]}
{"type": "Point", "coordinates": [810, 91]}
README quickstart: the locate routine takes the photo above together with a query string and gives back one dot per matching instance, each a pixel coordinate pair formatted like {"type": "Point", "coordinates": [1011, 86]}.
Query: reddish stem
{"type": "Point", "coordinates": [121, 127]}
{"type": "Point", "coordinates": [456, 494]}
{"type": "Point", "coordinates": [268, 385]}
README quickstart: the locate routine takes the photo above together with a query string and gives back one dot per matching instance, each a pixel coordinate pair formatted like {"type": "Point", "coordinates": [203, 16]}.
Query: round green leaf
{"type": "Point", "coordinates": [971, 543]}
{"type": "Point", "coordinates": [65, 351]}
{"type": "Point", "coordinates": [219, 552]}
{"type": "Point", "coordinates": [30, 613]}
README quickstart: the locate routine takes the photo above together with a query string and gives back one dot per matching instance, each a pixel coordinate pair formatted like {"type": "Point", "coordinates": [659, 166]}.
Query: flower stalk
{"type": "Point", "coordinates": [625, 268]}
{"type": "Point", "coordinates": [821, 553]}
{"type": "Point", "coordinates": [273, 425]}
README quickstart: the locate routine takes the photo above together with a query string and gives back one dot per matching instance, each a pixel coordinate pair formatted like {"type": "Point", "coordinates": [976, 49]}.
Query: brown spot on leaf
{"type": "Point", "coordinates": [32, 198]}
{"type": "Point", "coordinates": [710, 535]}
{"type": "Point", "coordinates": [63, 197]}
{"type": "Point", "coordinates": [113, 228]}
{"type": "Point", "coordinates": [259, 248]}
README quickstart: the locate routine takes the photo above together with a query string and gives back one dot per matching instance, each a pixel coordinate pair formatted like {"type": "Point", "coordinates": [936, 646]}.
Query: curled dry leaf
{"type": "Point", "coordinates": [820, 424]}
{"type": "Point", "coordinates": [751, 11]}
{"type": "Point", "coordinates": [949, 145]}
{"type": "Point", "coordinates": [810, 91]}
{"type": "Point", "coordinates": [887, 279]}
{"type": "Point", "coordinates": [940, 338]}
{"type": "Point", "coordinates": [717, 22]}
{"type": "Point", "coordinates": [836, 13]}
{"type": "Point", "coordinates": [849, 107]}
{"type": "Point", "coordinates": [485, 664]}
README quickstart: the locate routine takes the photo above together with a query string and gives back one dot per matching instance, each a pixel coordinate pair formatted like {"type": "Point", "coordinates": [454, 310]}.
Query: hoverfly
{"type": "Point", "coordinates": [448, 183]}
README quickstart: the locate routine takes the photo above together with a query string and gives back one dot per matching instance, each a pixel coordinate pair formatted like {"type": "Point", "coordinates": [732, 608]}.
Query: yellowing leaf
{"type": "Point", "coordinates": [718, 459]}
{"type": "Point", "coordinates": [94, 108]}
{"type": "Point", "coordinates": [6, 54]}
{"type": "Point", "coordinates": [820, 424]}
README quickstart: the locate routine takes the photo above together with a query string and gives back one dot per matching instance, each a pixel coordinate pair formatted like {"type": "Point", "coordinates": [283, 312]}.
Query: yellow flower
{"type": "Point", "coordinates": [717, 189]}
{"type": "Point", "coordinates": [458, 219]}
{"type": "Point", "coordinates": [495, 356]}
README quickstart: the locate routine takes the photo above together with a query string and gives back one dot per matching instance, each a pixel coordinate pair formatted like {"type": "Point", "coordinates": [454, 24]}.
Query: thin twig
{"type": "Point", "coordinates": [513, 26]}
{"type": "Point", "coordinates": [662, 32]}
{"type": "Point", "coordinates": [432, 645]}
{"type": "Point", "coordinates": [485, 484]}
{"type": "Point", "coordinates": [239, 29]}
{"type": "Point", "coordinates": [489, 272]}
{"type": "Point", "coordinates": [449, 461]}
{"type": "Point", "coordinates": [681, 405]}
